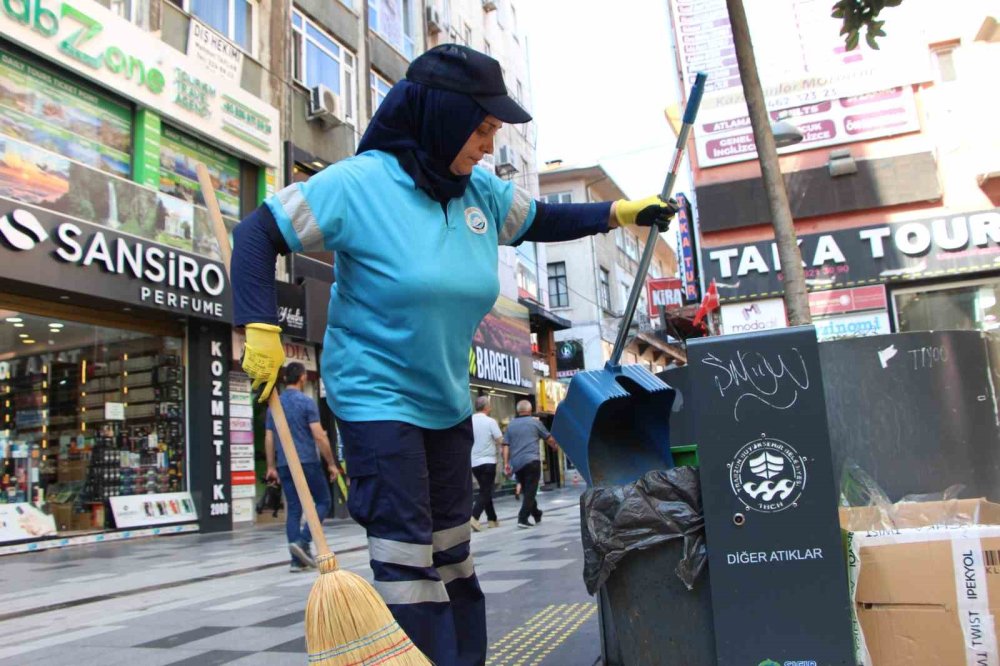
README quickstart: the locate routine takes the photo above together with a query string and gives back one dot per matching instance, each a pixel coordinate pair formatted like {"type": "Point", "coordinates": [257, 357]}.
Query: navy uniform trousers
{"type": "Point", "coordinates": [411, 489]}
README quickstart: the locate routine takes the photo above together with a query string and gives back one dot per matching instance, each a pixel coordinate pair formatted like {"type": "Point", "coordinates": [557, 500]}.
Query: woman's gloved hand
{"type": "Point", "coordinates": [646, 212]}
{"type": "Point", "coordinates": [263, 356]}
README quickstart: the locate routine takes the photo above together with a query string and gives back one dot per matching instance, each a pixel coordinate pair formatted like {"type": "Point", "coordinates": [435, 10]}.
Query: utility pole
{"type": "Point", "coordinates": [796, 299]}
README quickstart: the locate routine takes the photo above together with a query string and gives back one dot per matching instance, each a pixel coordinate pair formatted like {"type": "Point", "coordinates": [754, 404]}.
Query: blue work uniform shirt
{"type": "Point", "coordinates": [300, 412]}
{"type": "Point", "coordinates": [412, 282]}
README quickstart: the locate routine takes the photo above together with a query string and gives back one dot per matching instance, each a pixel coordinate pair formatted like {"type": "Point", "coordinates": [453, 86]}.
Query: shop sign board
{"type": "Point", "coordinates": [753, 316]}
{"type": "Point", "coordinates": [687, 245]}
{"type": "Point", "coordinates": [153, 509]}
{"type": "Point", "coordinates": [770, 499]}
{"type": "Point", "coordinates": [44, 248]}
{"type": "Point", "coordinates": [304, 354]}
{"type": "Point", "coordinates": [501, 348]}
{"type": "Point", "coordinates": [667, 293]}
{"type": "Point", "coordinates": [216, 54]}
{"type": "Point", "coordinates": [241, 436]}
{"type": "Point", "coordinates": [949, 245]}
{"type": "Point", "coordinates": [241, 464]}
{"type": "Point", "coordinates": [843, 301]}
{"type": "Point", "coordinates": [244, 491]}
{"type": "Point", "coordinates": [97, 44]}
{"type": "Point", "coordinates": [114, 411]}
{"type": "Point", "coordinates": [833, 96]}
{"type": "Point", "coordinates": [569, 358]}
{"type": "Point", "coordinates": [243, 510]}
{"type": "Point", "coordinates": [243, 478]}
{"type": "Point", "coordinates": [24, 521]}
{"type": "Point", "coordinates": [852, 325]}
{"type": "Point", "coordinates": [241, 450]}
{"type": "Point", "coordinates": [291, 309]}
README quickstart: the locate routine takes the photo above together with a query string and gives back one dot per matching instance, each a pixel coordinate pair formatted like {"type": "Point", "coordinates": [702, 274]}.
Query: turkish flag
{"type": "Point", "coordinates": [709, 303]}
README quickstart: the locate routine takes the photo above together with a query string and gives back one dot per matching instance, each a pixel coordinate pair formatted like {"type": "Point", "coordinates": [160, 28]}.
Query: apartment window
{"type": "Point", "coordinates": [467, 35]}
{"type": "Point", "coordinates": [380, 88]}
{"type": "Point", "coordinates": [513, 22]}
{"type": "Point", "coordinates": [393, 21]}
{"type": "Point", "coordinates": [487, 49]}
{"type": "Point", "coordinates": [527, 269]}
{"type": "Point", "coordinates": [319, 59]}
{"type": "Point", "coordinates": [558, 197]}
{"type": "Point", "coordinates": [604, 290]}
{"type": "Point", "coordinates": [656, 269]}
{"type": "Point", "coordinates": [520, 92]}
{"type": "Point", "coordinates": [558, 289]}
{"type": "Point", "coordinates": [234, 19]}
{"type": "Point", "coordinates": [944, 60]}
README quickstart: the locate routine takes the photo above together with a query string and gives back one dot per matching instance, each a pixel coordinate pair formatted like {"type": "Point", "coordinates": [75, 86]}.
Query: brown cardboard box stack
{"type": "Point", "coordinates": [925, 592]}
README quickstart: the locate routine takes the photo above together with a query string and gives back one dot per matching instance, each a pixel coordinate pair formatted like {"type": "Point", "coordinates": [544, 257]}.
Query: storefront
{"type": "Point", "coordinates": [115, 335]}
{"type": "Point", "coordinates": [933, 273]}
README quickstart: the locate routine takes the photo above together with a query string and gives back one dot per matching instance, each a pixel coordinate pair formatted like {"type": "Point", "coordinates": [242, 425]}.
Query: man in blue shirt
{"type": "Point", "coordinates": [311, 442]}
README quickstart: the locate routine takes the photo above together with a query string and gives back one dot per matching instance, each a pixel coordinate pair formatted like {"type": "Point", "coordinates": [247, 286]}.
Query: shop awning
{"type": "Point", "coordinates": [542, 317]}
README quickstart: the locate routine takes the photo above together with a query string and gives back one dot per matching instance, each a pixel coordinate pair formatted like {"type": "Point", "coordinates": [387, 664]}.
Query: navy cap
{"type": "Point", "coordinates": [460, 69]}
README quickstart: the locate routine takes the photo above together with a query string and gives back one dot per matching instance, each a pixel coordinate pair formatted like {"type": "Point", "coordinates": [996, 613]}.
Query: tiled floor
{"type": "Point", "coordinates": [229, 598]}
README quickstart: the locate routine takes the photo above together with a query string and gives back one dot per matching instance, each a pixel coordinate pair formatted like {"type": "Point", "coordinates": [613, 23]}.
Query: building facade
{"type": "Point", "coordinates": [590, 279]}
{"type": "Point", "coordinates": [894, 188]}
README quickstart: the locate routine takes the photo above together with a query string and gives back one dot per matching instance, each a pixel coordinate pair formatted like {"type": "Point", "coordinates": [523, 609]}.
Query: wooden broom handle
{"type": "Point", "coordinates": [277, 412]}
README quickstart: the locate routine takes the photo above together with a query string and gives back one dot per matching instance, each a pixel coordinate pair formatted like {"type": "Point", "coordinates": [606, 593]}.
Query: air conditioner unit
{"type": "Point", "coordinates": [433, 21]}
{"type": "Point", "coordinates": [489, 5]}
{"type": "Point", "coordinates": [324, 106]}
{"type": "Point", "coordinates": [505, 162]}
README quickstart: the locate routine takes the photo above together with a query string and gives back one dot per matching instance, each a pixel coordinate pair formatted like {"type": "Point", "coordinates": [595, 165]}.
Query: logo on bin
{"type": "Point", "coordinates": [767, 475]}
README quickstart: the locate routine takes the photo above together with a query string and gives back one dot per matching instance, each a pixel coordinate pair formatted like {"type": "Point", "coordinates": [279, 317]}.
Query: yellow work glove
{"type": "Point", "coordinates": [646, 212]}
{"type": "Point", "coordinates": [263, 356]}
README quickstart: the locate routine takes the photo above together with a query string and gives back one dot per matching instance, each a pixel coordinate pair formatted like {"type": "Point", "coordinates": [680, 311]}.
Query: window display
{"type": "Point", "coordinates": [969, 305]}
{"type": "Point", "coordinates": [87, 413]}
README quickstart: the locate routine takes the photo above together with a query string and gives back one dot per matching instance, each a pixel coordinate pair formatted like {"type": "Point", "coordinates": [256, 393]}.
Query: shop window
{"type": "Point", "coordinates": [39, 109]}
{"type": "Point", "coordinates": [558, 287]}
{"type": "Point", "coordinates": [233, 19]}
{"type": "Point", "coordinates": [965, 306]}
{"type": "Point", "coordinates": [319, 59]}
{"type": "Point", "coordinates": [87, 413]}
{"type": "Point", "coordinates": [181, 218]}
{"type": "Point", "coordinates": [393, 21]}
{"type": "Point", "coordinates": [380, 88]}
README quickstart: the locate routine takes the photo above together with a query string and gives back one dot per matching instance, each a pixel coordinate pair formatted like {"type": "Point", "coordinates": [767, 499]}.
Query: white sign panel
{"type": "Point", "coordinates": [152, 509]}
{"type": "Point", "coordinates": [245, 491]}
{"type": "Point", "coordinates": [753, 316]}
{"type": "Point", "coordinates": [241, 464]}
{"type": "Point", "coordinates": [241, 451]}
{"type": "Point", "coordinates": [101, 46]}
{"type": "Point", "coordinates": [243, 510]}
{"type": "Point", "coordinates": [805, 71]}
{"type": "Point", "coordinates": [24, 521]}
{"type": "Point", "coordinates": [215, 53]}
{"type": "Point", "coordinates": [114, 411]}
{"type": "Point", "coordinates": [852, 326]}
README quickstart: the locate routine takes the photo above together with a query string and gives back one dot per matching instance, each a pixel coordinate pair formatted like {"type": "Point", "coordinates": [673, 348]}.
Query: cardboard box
{"type": "Point", "coordinates": [925, 594]}
{"type": "Point", "coordinates": [72, 470]}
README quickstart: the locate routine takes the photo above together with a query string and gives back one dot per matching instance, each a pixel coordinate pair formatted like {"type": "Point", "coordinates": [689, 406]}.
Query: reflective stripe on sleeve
{"type": "Point", "coordinates": [400, 552]}
{"type": "Point", "coordinates": [302, 218]}
{"type": "Point", "coordinates": [520, 208]}
{"type": "Point", "coordinates": [451, 537]}
{"type": "Point", "coordinates": [412, 591]}
{"type": "Point", "coordinates": [451, 572]}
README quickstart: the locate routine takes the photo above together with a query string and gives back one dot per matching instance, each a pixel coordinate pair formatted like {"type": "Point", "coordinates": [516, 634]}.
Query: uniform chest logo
{"type": "Point", "coordinates": [475, 220]}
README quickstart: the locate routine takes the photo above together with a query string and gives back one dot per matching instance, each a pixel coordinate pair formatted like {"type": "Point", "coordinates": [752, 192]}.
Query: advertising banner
{"type": "Point", "coordinates": [762, 315]}
{"type": "Point", "coordinates": [687, 251]}
{"type": "Point", "coordinates": [23, 521]}
{"type": "Point", "coordinates": [152, 509]}
{"type": "Point", "coordinates": [895, 251]}
{"type": "Point", "coordinates": [215, 53]}
{"type": "Point", "coordinates": [99, 45]}
{"type": "Point", "coordinates": [667, 293]}
{"type": "Point", "coordinates": [569, 358]}
{"type": "Point", "coordinates": [501, 349]}
{"type": "Point", "coordinates": [832, 95]}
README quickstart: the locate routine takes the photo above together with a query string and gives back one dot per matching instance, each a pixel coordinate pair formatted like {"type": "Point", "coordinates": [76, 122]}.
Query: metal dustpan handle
{"type": "Point", "coordinates": [690, 111]}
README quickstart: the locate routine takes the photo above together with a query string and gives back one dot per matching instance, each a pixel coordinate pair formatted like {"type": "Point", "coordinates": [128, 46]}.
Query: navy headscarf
{"type": "Point", "coordinates": [425, 128]}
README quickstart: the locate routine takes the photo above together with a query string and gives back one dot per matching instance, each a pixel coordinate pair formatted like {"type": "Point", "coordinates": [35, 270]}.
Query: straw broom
{"type": "Point", "coordinates": [347, 622]}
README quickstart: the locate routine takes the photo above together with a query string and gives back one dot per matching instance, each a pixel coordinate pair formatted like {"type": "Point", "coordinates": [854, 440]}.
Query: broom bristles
{"type": "Point", "coordinates": [348, 623]}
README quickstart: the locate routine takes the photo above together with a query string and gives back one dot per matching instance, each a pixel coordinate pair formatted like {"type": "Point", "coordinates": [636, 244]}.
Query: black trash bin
{"type": "Point", "coordinates": [651, 533]}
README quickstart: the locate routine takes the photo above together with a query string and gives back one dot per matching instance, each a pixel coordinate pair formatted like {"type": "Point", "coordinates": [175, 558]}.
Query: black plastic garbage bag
{"type": "Point", "coordinates": [662, 505]}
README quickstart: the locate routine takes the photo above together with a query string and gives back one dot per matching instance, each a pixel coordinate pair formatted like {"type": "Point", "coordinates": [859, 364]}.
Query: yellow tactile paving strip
{"type": "Point", "coordinates": [533, 641]}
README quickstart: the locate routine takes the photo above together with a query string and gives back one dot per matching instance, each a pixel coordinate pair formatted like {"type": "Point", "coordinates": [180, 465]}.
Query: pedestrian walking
{"type": "Point", "coordinates": [416, 225]}
{"type": "Point", "coordinates": [311, 443]}
{"type": "Point", "coordinates": [520, 456]}
{"type": "Point", "coordinates": [486, 436]}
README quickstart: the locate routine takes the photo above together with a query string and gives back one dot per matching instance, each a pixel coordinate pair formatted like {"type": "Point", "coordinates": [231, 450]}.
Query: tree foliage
{"type": "Point", "coordinates": [861, 14]}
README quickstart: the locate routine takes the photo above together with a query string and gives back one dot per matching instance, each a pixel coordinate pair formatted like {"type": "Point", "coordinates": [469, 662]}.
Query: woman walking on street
{"type": "Point", "coordinates": [416, 226]}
